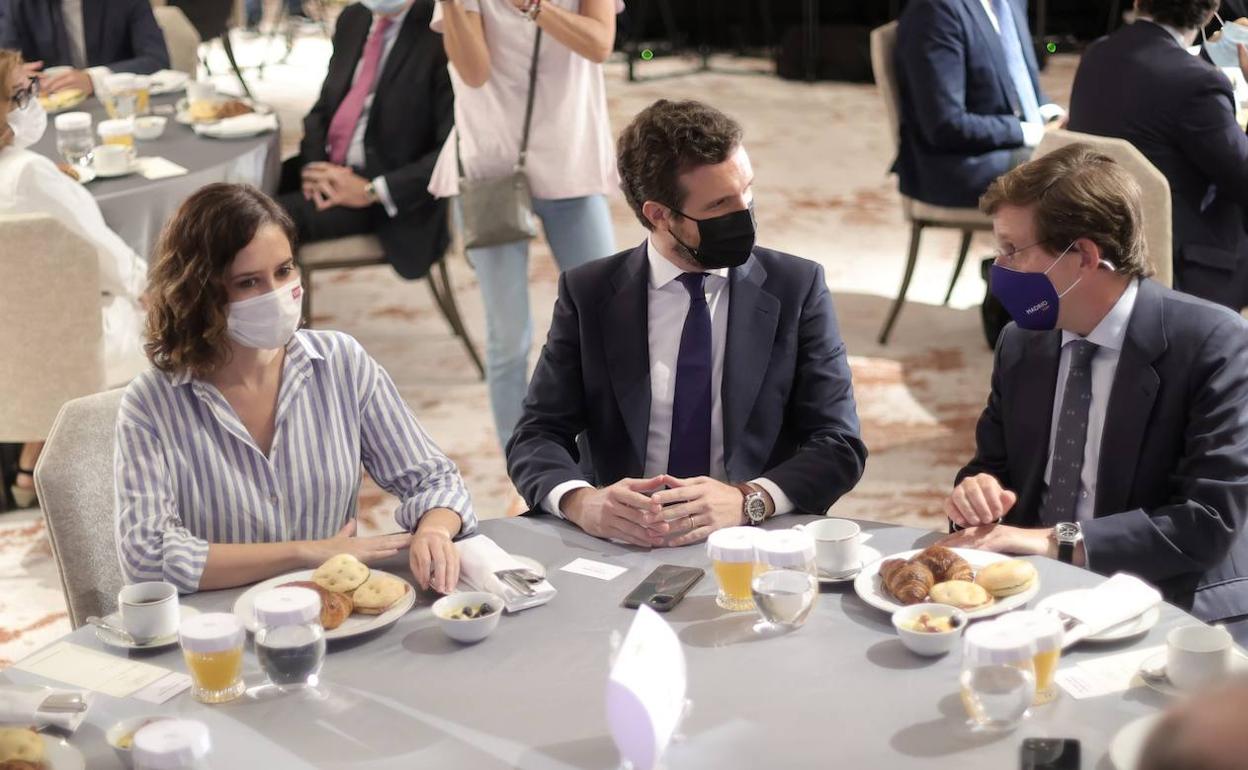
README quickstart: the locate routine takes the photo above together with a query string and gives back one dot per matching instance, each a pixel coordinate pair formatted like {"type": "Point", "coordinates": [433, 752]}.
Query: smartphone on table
{"type": "Point", "coordinates": [1050, 754]}
{"type": "Point", "coordinates": [664, 588]}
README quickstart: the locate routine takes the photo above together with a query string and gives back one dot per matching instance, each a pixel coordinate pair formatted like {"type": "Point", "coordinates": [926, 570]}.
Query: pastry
{"type": "Point", "coordinates": [962, 594]}
{"type": "Point", "coordinates": [945, 564]}
{"type": "Point", "coordinates": [21, 744]}
{"type": "Point", "coordinates": [378, 594]}
{"type": "Point", "coordinates": [909, 582]}
{"type": "Point", "coordinates": [341, 573]}
{"type": "Point", "coordinates": [62, 99]}
{"type": "Point", "coordinates": [232, 109]}
{"type": "Point", "coordinates": [335, 607]}
{"type": "Point", "coordinates": [68, 171]}
{"type": "Point", "coordinates": [21, 764]}
{"type": "Point", "coordinates": [1006, 578]}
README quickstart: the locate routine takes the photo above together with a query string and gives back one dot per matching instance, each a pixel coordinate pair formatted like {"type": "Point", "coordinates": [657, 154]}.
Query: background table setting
{"type": "Point", "coordinates": [841, 689]}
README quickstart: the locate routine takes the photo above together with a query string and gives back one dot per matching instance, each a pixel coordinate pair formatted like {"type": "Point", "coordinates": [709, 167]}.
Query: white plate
{"type": "Point", "coordinates": [1127, 747]}
{"type": "Point", "coordinates": [133, 169]}
{"type": "Point", "coordinates": [168, 81]}
{"type": "Point", "coordinates": [869, 556]}
{"type": "Point", "coordinates": [1127, 629]}
{"type": "Point", "coordinates": [182, 112]}
{"type": "Point", "coordinates": [871, 590]}
{"type": "Point", "coordinates": [112, 640]}
{"type": "Point", "coordinates": [531, 564]}
{"type": "Point", "coordinates": [239, 127]}
{"type": "Point", "coordinates": [354, 625]}
{"type": "Point", "coordinates": [1157, 664]}
{"type": "Point", "coordinates": [59, 755]}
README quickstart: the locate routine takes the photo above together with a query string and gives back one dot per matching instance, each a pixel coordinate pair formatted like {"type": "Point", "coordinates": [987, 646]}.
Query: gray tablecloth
{"type": "Point", "coordinates": [136, 208]}
{"type": "Point", "coordinates": [840, 692]}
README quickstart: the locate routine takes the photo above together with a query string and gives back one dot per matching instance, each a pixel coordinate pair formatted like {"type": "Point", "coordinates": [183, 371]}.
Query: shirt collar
{"type": "Point", "coordinates": [1178, 36]}
{"type": "Point", "coordinates": [1112, 330]}
{"type": "Point", "coordinates": [299, 353]}
{"type": "Point", "coordinates": [663, 272]}
{"type": "Point", "coordinates": [396, 21]}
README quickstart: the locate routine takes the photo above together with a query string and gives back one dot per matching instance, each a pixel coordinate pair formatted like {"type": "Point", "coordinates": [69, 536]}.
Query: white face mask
{"type": "Point", "coordinates": [269, 321]}
{"type": "Point", "coordinates": [28, 124]}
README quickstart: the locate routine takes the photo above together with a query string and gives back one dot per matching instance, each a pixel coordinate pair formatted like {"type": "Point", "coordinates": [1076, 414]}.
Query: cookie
{"type": "Point", "coordinates": [378, 594]}
{"type": "Point", "coordinates": [961, 594]}
{"type": "Point", "coordinates": [342, 573]}
{"type": "Point", "coordinates": [20, 743]}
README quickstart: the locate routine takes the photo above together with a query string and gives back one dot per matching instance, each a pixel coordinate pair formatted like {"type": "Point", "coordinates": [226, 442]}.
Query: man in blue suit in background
{"type": "Point", "coordinates": [697, 381]}
{"type": "Point", "coordinates": [971, 104]}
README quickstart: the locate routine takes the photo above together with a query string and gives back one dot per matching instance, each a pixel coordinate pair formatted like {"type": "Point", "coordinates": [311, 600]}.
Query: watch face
{"type": "Point", "coordinates": [1066, 531]}
{"type": "Point", "coordinates": [755, 508]}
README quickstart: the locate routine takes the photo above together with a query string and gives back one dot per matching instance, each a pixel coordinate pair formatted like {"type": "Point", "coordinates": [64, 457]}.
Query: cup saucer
{"type": "Point", "coordinates": [867, 556]}
{"type": "Point", "coordinates": [1153, 673]}
{"type": "Point", "coordinates": [112, 640]}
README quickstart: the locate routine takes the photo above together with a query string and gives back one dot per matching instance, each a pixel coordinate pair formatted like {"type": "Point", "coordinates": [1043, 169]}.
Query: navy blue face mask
{"type": "Point", "coordinates": [1030, 298]}
{"type": "Point", "coordinates": [725, 241]}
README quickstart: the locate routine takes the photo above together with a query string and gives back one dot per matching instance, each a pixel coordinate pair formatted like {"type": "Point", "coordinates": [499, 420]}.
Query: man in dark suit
{"type": "Point", "coordinates": [94, 37]}
{"type": "Point", "coordinates": [971, 104]}
{"type": "Point", "coordinates": [697, 364]}
{"type": "Point", "coordinates": [1116, 431]}
{"type": "Point", "coordinates": [372, 137]}
{"type": "Point", "coordinates": [1140, 84]}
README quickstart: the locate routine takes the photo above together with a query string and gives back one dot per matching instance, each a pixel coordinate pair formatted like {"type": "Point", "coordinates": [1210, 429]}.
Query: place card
{"type": "Point", "coordinates": [646, 690]}
{"type": "Point", "coordinates": [159, 168]}
{"type": "Point", "coordinates": [594, 569]}
{"type": "Point", "coordinates": [92, 670]}
{"type": "Point", "coordinates": [164, 688]}
{"type": "Point", "coordinates": [1105, 676]}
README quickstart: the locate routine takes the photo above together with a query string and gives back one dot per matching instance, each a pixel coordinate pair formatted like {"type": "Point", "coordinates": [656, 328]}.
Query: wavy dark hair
{"type": "Point", "coordinates": [1180, 14]}
{"type": "Point", "coordinates": [186, 292]}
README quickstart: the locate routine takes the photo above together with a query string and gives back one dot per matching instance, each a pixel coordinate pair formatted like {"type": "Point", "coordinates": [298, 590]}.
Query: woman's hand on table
{"type": "Point", "coordinates": [366, 549]}
{"type": "Point", "coordinates": [431, 555]}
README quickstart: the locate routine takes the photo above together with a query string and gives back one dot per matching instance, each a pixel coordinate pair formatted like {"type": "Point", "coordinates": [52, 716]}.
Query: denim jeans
{"type": "Point", "coordinates": [578, 230]}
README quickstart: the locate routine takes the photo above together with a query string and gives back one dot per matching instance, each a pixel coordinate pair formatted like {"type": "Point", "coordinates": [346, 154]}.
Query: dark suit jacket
{"type": "Point", "coordinates": [788, 404]}
{"type": "Point", "coordinates": [119, 34]}
{"type": "Point", "coordinates": [960, 124]}
{"type": "Point", "coordinates": [1172, 486]}
{"type": "Point", "coordinates": [411, 115]}
{"type": "Point", "coordinates": [1138, 84]}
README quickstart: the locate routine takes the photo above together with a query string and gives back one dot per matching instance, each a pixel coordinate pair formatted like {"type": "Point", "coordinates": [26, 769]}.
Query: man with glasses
{"type": "Point", "coordinates": [1116, 432]}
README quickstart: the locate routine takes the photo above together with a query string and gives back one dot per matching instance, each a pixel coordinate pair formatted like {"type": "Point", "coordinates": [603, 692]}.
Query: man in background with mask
{"type": "Point", "coordinates": [1116, 432]}
{"type": "Point", "coordinates": [696, 381]}
{"type": "Point", "coordinates": [1141, 84]}
{"type": "Point", "coordinates": [371, 139]}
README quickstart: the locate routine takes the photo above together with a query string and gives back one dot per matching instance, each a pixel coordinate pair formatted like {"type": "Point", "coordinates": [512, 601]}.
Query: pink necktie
{"type": "Point", "coordinates": [342, 127]}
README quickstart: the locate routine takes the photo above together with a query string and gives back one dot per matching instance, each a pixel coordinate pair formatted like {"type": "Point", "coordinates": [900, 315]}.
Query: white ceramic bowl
{"type": "Point", "coordinates": [124, 728]}
{"type": "Point", "coordinates": [925, 643]}
{"type": "Point", "coordinates": [472, 629]}
{"type": "Point", "coordinates": [149, 127]}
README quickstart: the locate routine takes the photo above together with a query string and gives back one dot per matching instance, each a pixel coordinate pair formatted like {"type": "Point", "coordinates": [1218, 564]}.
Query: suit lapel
{"type": "Point", "coordinates": [993, 40]}
{"type": "Point", "coordinates": [402, 46]}
{"type": "Point", "coordinates": [1036, 387]}
{"type": "Point", "coordinates": [626, 345]}
{"type": "Point", "coordinates": [752, 318]}
{"type": "Point", "coordinates": [1130, 401]}
{"type": "Point", "coordinates": [353, 50]}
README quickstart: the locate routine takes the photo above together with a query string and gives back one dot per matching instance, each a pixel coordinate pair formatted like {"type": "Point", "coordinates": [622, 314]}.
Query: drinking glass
{"type": "Point", "coordinates": [998, 678]}
{"type": "Point", "coordinates": [785, 584]}
{"type": "Point", "coordinates": [74, 140]}
{"type": "Point", "coordinates": [733, 562]}
{"type": "Point", "coordinates": [212, 645]}
{"type": "Point", "coordinates": [1046, 633]}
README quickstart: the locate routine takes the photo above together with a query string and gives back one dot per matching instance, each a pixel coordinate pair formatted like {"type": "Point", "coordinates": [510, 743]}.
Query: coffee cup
{"type": "Point", "coordinates": [1197, 656]}
{"type": "Point", "coordinates": [149, 610]}
{"type": "Point", "coordinates": [111, 159]}
{"type": "Point", "coordinates": [836, 545]}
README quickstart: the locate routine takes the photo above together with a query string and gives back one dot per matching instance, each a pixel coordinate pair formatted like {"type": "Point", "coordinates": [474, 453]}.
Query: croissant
{"type": "Point", "coordinates": [944, 564]}
{"type": "Point", "coordinates": [908, 582]}
{"type": "Point", "coordinates": [335, 607]}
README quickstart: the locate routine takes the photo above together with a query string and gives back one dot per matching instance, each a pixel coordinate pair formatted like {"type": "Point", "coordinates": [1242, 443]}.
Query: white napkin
{"type": "Point", "coordinates": [1115, 601]}
{"type": "Point", "coordinates": [480, 557]}
{"type": "Point", "coordinates": [19, 705]}
{"type": "Point", "coordinates": [240, 126]}
{"type": "Point", "coordinates": [166, 81]}
{"type": "Point", "coordinates": [159, 168]}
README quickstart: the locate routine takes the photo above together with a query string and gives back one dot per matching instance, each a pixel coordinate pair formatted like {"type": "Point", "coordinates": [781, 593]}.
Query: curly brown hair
{"type": "Point", "coordinates": [186, 295]}
{"type": "Point", "coordinates": [668, 139]}
{"type": "Point", "coordinates": [9, 61]}
{"type": "Point", "coordinates": [1180, 14]}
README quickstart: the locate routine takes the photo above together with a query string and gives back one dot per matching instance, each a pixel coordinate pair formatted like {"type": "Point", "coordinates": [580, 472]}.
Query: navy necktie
{"type": "Point", "coordinates": [690, 451]}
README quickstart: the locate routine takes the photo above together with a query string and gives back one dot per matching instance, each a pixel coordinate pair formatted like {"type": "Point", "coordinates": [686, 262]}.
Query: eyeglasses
{"type": "Point", "coordinates": [1010, 257]}
{"type": "Point", "coordinates": [23, 96]}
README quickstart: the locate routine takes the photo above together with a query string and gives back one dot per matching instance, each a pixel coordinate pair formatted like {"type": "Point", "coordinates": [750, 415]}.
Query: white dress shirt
{"type": "Point", "coordinates": [1108, 336]}
{"type": "Point", "coordinates": [667, 305]}
{"type": "Point", "coordinates": [1032, 132]}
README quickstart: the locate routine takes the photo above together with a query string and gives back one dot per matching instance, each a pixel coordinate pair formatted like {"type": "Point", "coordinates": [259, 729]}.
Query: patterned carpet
{"type": "Point", "coordinates": [820, 152]}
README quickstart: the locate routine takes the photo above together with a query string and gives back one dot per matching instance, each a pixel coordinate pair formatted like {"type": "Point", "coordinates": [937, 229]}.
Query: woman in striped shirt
{"type": "Point", "coordinates": [238, 457]}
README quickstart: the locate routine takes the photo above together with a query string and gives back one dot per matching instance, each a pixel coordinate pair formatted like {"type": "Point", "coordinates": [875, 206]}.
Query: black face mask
{"type": "Point", "coordinates": [726, 240]}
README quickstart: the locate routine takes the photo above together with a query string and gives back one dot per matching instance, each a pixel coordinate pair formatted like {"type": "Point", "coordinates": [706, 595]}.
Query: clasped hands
{"type": "Point", "coordinates": [642, 512]}
{"type": "Point", "coordinates": [977, 505]}
{"type": "Point", "coordinates": [328, 185]}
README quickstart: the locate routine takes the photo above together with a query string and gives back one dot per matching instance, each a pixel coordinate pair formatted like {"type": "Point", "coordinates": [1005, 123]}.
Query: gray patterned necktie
{"type": "Point", "coordinates": [1072, 435]}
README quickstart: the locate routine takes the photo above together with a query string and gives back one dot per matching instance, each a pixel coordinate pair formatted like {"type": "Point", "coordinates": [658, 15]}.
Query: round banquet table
{"type": "Point", "coordinates": [136, 208]}
{"type": "Point", "coordinates": [839, 692]}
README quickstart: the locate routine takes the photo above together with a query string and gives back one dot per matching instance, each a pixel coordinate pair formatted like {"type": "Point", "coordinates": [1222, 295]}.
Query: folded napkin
{"type": "Point", "coordinates": [480, 557]}
{"type": "Point", "coordinates": [19, 705]}
{"type": "Point", "coordinates": [165, 81]}
{"type": "Point", "coordinates": [1115, 601]}
{"type": "Point", "coordinates": [159, 168]}
{"type": "Point", "coordinates": [242, 125]}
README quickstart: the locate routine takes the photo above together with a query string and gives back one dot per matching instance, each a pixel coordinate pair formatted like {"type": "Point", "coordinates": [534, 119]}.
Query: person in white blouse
{"type": "Point", "coordinates": [31, 183]}
{"type": "Point", "coordinates": [570, 162]}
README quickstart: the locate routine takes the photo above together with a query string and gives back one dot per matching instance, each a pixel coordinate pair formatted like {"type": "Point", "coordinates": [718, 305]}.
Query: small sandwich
{"type": "Point", "coordinates": [20, 748]}
{"type": "Point", "coordinates": [962, 594]}
{"type": "Point", "coordinates": [342, 573]}
{"type": "Point", "coordinates": [1006, 578]}
{"type": "Point", "coordinates": [378, 594]}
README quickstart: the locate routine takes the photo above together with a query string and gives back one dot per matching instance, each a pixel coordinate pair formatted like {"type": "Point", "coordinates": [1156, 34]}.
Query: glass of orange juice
{"type": "Point", "coordinates": [734, 563]}
{"type": "Point", "coordinates": [117, 132]}
{"type": "Point", "coordinates": [142, 94]}
{"type": "Point", "coordinates": [212, 645]}
{"type": "Point", "coordinates": [1045, 630]}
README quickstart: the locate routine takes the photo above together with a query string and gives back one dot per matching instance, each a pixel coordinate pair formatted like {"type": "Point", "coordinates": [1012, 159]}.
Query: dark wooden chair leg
{"type": "Point", "coordinates": [444, 295]}
{"type": "Point", "coordinates": [307, 298]}
{"type": "Point", "coordinates": [916, 231]}
{"type": "Point", "coordinates": [957, 269]}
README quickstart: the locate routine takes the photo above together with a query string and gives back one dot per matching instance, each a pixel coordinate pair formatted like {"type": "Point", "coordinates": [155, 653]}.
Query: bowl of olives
{"type": "Point", "coordinates": [468, 616]}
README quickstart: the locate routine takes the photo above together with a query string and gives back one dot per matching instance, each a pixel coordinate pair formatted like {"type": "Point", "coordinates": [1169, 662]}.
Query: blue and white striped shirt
{"type": "Point", "coordinates": [188, 472]}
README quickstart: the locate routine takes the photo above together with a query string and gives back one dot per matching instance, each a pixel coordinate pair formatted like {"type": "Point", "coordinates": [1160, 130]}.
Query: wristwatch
{"type": "Point", "coordinates": [370, 190]}
{"type": "Point", "coordinates": [754, 507]}
{"type": "Point", "coordinates": [532, 9]}
{"type": "Point", "coordinates": [1067, 534]}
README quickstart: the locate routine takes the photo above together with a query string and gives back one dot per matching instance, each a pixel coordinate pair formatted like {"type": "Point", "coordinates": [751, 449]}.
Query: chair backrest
{"type": "Point", "coordinates": [884, 65]}
{"type": "Point", "coordinates": [1154, 188]}
{"type": "Point", "coordinates": [180, 38]}
{"type": "Point", "coordinates": [74, 478]}
{"type": "Point", "coordinates": [52, 343]}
